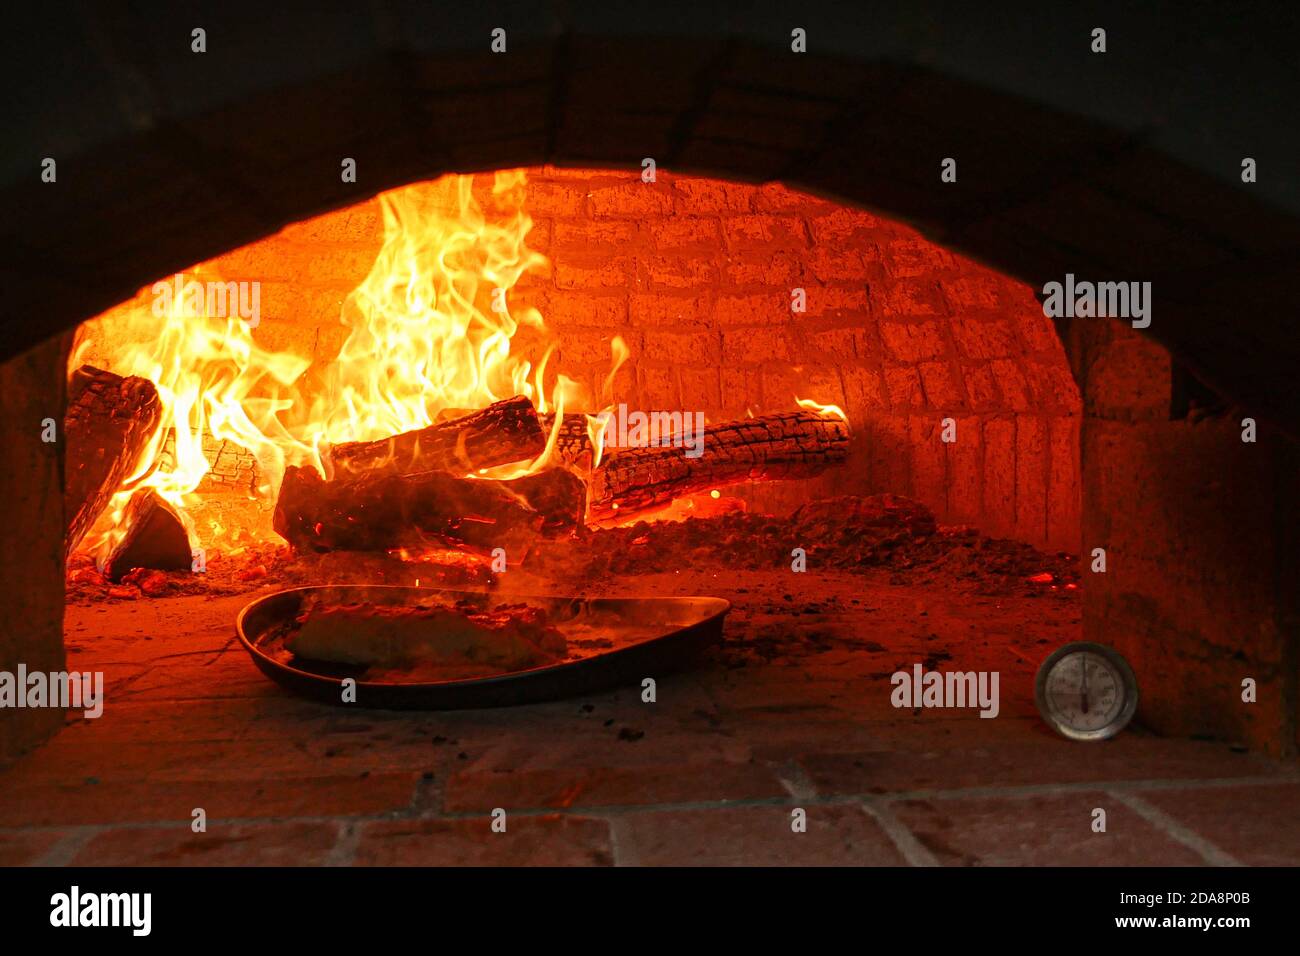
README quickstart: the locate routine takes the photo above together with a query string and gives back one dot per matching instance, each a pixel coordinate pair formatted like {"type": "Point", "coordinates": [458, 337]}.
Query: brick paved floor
{"type": "Point", "coordinates": [793, 713]}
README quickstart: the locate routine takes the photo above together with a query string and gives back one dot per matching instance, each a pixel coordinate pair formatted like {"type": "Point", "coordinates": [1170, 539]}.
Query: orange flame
{"type": "Point", "coordinates": [430, 329]}
{"type": "Point", "coordinates": [431, 332]}
{"type": "Point", "coordinates": [827, 411]}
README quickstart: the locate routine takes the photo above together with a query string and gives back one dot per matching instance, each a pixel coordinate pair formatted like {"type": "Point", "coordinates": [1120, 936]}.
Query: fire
{"type": "Point", "coordinates": [431, 332]}
{"type": "Point", "coordinates": [431, 329]}
{"type": "Point", "coordinates": [828, 411]}
{"type": "Point", "coordinates": [596, 424]}
{"type": "Point", "coordinates": [431, 325]}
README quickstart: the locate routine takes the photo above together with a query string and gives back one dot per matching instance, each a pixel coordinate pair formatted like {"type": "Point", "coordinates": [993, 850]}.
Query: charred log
{"type": "Point", "coordinates": [557, 494]}
{"type": "Point", "coordinates": [109, 423]}
{"type": "Point", "coordinates": [155, 538]}
{"type": "Point", "coordinates": [377, 512]}
{"type": "Point", "coordinates": [503, 432]}
{"type": "Point", "coordinates": [797, 444]}
{"type": "Point", "coordinates": [573, 443]}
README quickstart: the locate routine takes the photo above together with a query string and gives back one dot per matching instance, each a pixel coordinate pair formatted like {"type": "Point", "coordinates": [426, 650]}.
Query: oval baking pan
{"type": "Point", "coordinates": [627, 640]}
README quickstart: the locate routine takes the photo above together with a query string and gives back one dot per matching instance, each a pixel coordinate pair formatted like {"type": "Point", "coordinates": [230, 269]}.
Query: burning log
{"type": "Point", "coordinates": [557, 494]}
{"type": "Point", "coordinates": [155, 538]}
{"type": "Point", "coordinates": [503, 432]}
{"type": "Point", "coordinates": [798, 444]}
{"type": "Point", "coordinates": [376, 512]}
{"type": "Point", "coordinates": [573, 441]}
{"type": "Point", "coordinates": [109, 423]}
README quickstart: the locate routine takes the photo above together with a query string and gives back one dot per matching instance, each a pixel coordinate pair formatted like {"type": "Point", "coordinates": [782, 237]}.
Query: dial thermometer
{"type": "Point", "coordinates": [1086, 691]}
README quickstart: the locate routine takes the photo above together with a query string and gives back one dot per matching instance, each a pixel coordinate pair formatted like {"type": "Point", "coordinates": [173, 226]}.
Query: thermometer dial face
{"type": "Point", "coordinates": [1086, 691]}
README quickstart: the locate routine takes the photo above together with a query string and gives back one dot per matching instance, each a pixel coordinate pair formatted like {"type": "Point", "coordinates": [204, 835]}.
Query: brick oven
{"type": "Point", "coordinates": [906, 462]}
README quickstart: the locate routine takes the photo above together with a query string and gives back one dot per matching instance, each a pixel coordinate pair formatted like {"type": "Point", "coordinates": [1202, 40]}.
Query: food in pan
{"type": "Point", "coordinates": [508, 636]}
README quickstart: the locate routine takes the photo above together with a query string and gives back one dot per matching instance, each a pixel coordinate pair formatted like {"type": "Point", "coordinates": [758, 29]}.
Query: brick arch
{"type": "Point", "coordinates": [165, 161]}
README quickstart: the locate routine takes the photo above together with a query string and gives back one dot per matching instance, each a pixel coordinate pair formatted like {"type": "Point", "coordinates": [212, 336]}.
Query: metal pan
{"type": "Point", "coordinates": [640, 637]}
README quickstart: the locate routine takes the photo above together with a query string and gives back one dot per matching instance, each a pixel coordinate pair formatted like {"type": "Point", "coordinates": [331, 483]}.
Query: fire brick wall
{"type": "Point", "coordinates": [697, 276]}
{"type": "Point", "coordinates": [1198, 528]}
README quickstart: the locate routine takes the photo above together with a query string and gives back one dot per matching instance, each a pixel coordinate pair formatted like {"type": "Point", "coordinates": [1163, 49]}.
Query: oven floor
{"type": "Point", "coordinates": [793, 713]}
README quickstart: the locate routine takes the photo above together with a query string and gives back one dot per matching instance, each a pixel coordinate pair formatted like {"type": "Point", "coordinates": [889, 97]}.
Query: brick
{"type": "Point", "coordinates": [929, 462]}
{"type": "Point", "coordinates": [903, 384]}
{"type": "Point", "coordinates": [596, 786]}
{"type": "Point", "coordinates": [26, 847]}
{"type": "Point", "coordinates": [634, 200]}
{"type": "Point", "coordinates": [1031, 479]}
{"type": "Point", "coordinates": [981, 387]}
{"type": "Point", "coordinates": [361, 223]}
{"type": "Point", "coordinates": [1054, 385]}
{"type": "Point", "coordinates": [700, 388]}
{"type": "Point", "coordinates": [596, 237]}
{"type": "Point", "coordinates": [912, 342]}
{"type": "Point", "coordinates": [586, 346]}
{"type": "Point", "coordinates": [679, 272]}
{"type": "Point", "coordinates": [984, 339]}
{"type": "Point", "coordinates": [556, 199]}
{"type": "Point", "coordinates": [742, 310]}
{"type": "Point", "coordinates": [122, 801]}
{"type": "Point", "coordinates": [755, 345]}
{"type": "Point", "coordinates": [1063, 516]}
{"type": "Point", "coordinates": [838, 301]}
{"type": "Point", "coordinates": [837, 264]}
{"type": "Point", "coordinates": [279, 844]}
{"type": "Point", "coordinates": [577, 308]}
{"type": "Point", "coordinates": [657, 388]}
{"type": "Point", "coordinates": [1038, 830]}
{"type": "Point", "coordinates": [663, 309]}
{"type": "Point", "coordinates": [999, 440]}
{"type": "Point", "coordinates": [842, 345]}
{"type": "Point", "coordinates": [706, 196]}
{"type": "Point", "coordinates": [614, 273]}
{"type": "Point", "coordinates": [943, 389]}
{"type": "Point", "coordinates": [1036, 331]}
{"type": "Point", "coordinates": [780, 269]}
{"type": "Point", "coordinates": [549, 840]}
{"type": "Point", "coordinates": [271, 260]}
{"type": "Point", "coordinates": [686, 233]}
{"type": "Point", "coordinates": [1257, 825]}
{"type": "Point", "coordinates": [782, 384]}
{"type": "Point", "coordinates": [1020, 755]}
{"type": "Point", "coordinates": [966, 472]}
{"type": "Point", "coordinates": [972, 290]}
{"type": "Point", "coordinates": [1130, 379]}
{"type": "Point", "coordinates": [540, 238]}
{"type": "Point", "coordinates": [335, 265]}
{"type": "Point", "coordinates": [908, 257]}
{"type": "Point", "coordinates": [909, 298]}
{"type": "Point", "coordinates": [777, 197]}
{"type": "Point", "coordinates": [864, 390]}
{"type": "Point", "coordinates": [756, 836]}
{"type": "Point", "coordinates": [1013, 385]}
{"type": "Point", "coordinates": [741, 389]}
{"type": "Point", "coordinates": [844, 226]}
{"type": "Point", "coordinates": [746, 232]}
{"type": "Point", "coordinates": [683, 348]}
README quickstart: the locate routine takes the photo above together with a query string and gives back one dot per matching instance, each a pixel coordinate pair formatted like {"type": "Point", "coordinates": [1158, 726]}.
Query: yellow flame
{"type": "Point", "coordinates": [430, 329]}
{"type": "Point", "coordinates": [596, 424]}
{"type": "Point", "coordinates": [828, 411]}
{"type": "Point", "coordinates": [431, 325]}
